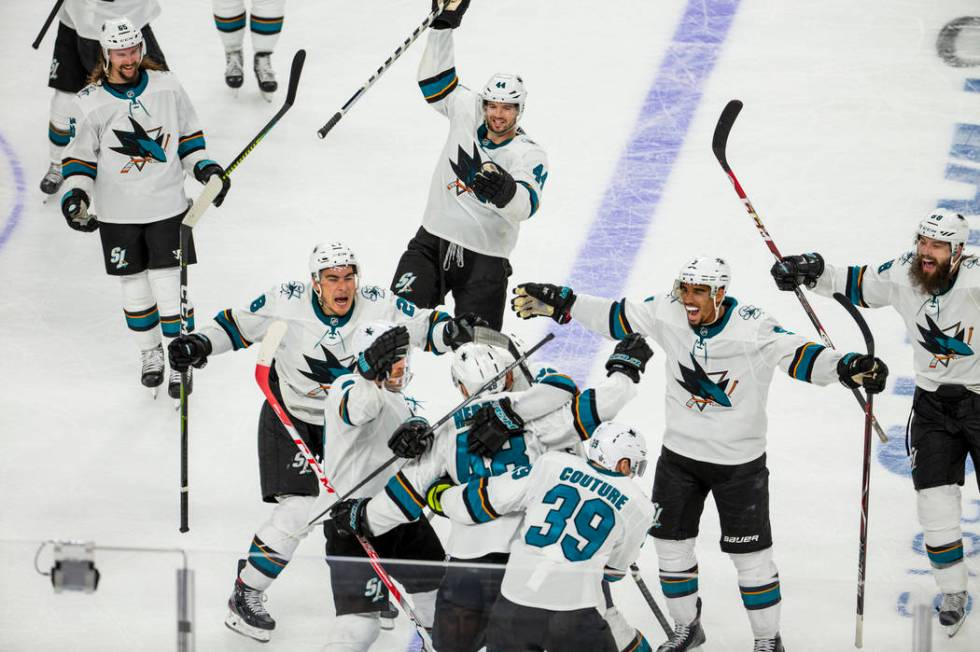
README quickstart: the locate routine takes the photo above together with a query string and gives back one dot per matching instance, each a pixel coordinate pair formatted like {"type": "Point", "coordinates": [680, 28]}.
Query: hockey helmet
{"type": "Point", "coordinates": [612, 442]}
{"type": "Point", "coordinates": [505, 88]}
{"type": "Point", "coordinates": [474, 364]}
{"type": "Point", "coordinates": [119, 34]}
{"type": "Point", "coordinates": [945, 226]}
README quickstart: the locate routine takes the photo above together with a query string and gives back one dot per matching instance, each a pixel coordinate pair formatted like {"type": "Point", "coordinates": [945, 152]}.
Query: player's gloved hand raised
{"type": "Point", "coordinates": [375, 362]}
{"type": "Point", "coordinates": [74, 206]}
{"type": "Point", "coordinates": [433, 495]}
{"type": "Point", "coordinates": [411, 438]}
{"type": "Point", "coordinates": [189, 351]}
{"type": "Point", "coordinates": [451, 16]}
{"type": "Point", "coordinates": [350, 517]}
{"type": "Point", "coordinates": [492, 426]}
{"type": "Point", "coordinates": [207, 169]}
{"type": "Point", "coordinates": [791, 271]}
{"type": "Point", "coordinates": [860, 370]}
{"type": "Point", "coordinates": [494, 184]}
{"type": "Point", "coordinates": [629, 357]}
{"type": "Point", "coordinates": [459, 329]}
{"type": "Point", "coordinates": [535, 299]}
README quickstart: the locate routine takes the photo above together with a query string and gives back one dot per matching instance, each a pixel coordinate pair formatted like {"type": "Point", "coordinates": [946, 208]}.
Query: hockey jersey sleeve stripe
{"type": "Point", "coordinates": [72, 166]}
{"type": "Point", "coordinates": [561, 381]}
{"type": "Point", "coordinates": [142, 320]}
{"type": "Point", "coordinates": [802, 366]}
{"type": "Point", "coordinates": [534, 197]}
{"type": "Point", "coordinates": [190, 144]}
{"type": "Point", "coordinates": [853, 289]}
{"type": "Point", "coordinates": [232, 24]}
{"type": "Point", "coordinates": [344, 410]}
{"type": "Point", "coordinates": [619, 326]}
{"type": "Point", "coordinates": [261, 25]}
{"type": "Point", "coordinates": [401, 492]}
{"type": "Point", "coordinates": [611, 574]}
{"type": "Point", "coordinates": [438, 87]}
{"type": "Point", "coordinates": [438, 317]}
{"type": "Point", "coordinates": [478, 502]}
{"type": "Point", "coordinates": [585, 414]}
{"type": "Point", "coordinates": [57, 136]}
{"type": "Point", "coordinates": [226, 320]}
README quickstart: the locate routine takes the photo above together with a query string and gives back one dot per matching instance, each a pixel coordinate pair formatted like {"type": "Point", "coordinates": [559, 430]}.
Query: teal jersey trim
{"type": "Point", "coordinates": [128, 91]}
{"type": "Point", "coordinates": [729, 304]}
{"type": "Point", "coordinates": [330, 320]}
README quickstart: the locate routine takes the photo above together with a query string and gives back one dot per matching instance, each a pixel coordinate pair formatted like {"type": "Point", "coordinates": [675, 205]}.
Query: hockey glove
{"type": "Point", "coordinates": [350, 517]}
{"type": "Point", "coordinates": [493, 425]}
{"type": "Point", "coordinates": [860, 370]}
{"type": "Point", "coordinates": [630, 357]}
{"type": "Point", "coordinates": [411, 438]}
{"type": "Point", "coordinates": [494, 184]}
{"type": "Point", "coordinates": [375, 362]}
{"type": "Point", "coordinates": [797, 270]}
{"type": "Point", "coordinates": [74, 206]}
{"type": "Point", "coordinates": [189, 351]}
{"type": "Point", "coordinates": [535, 299]}
{"type": "Point", "coordinates": [459, 329]}
{"type": "Point", "coordinates": [451, 16]}
{"type": "Point", "coordinates": [433, 496]}
{"type": "Point", "coordinates": [204, 170]}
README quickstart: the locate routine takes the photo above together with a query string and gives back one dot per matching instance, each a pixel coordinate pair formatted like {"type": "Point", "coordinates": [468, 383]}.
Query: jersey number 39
{"type": "Point", "coordinates": [593, 520]}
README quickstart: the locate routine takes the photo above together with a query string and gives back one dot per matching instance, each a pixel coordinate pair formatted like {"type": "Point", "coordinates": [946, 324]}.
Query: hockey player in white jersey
{"type": "Point", "coordinates": [584, 519]}
{"type": "Point", "coordinates": [721, 356]}
{"type": "Point", "coordinates": [488, 180]}
{"type": "Point", "coordinates": [507, 429]}
{"type": "Point", "coordinates": [935, 289]}
{"type": "Point", "coordinates": [265, 25]}
{"type": "Point", "coordinates": [136, 136]}
{"type": "Point", "coordinates": [323, 315]}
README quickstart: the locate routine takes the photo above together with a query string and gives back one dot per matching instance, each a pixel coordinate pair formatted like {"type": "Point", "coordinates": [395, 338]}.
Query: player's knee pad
{"type": "Point", "coordinates": [136, 292]}
{"type": "Point", "coordinates": [59, 126]}
{"type": "Point", "coordinates": [291, 514]}
{"type": "Point", "coordinates": [166, 289]}
{"type": "Point", "coordinates": [142, 316]}
{"type": "Point", "coordinates": [675, 556]}
{"type": "Point", "coordinates": [940, 510]}
{"type": "Point", "coordinates": [754, 567]}
{"type": "Point", "coordinates": [353, 633]}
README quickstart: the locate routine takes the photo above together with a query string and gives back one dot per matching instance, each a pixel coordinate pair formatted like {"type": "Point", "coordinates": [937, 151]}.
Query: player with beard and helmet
{"type": "Point", "coordinates": [935, 289]}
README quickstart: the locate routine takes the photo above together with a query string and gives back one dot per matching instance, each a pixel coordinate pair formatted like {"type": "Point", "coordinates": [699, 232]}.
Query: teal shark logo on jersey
{"type": "Point", "coordinates": [704, 390]}
{"type": "Point", "coordinates": [945, 344]}
{"type": "Point", "coordinates": [140, 146]}
{"type": "Point", "coordinates": [323, 372]}
{"type": "Point", "coordinates": [465, 168]}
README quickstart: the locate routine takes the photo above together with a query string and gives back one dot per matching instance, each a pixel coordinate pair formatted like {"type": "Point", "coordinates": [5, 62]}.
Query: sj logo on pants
{"type": "Point", "coordinates": [118, 256]}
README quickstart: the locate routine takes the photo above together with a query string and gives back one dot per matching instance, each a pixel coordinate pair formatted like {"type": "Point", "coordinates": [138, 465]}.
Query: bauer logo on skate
{"type": "Point", "coordinates": [141, 146]}
{"type": "Point", "coordinates": [704, 390]}
{"type": "Point", "coordinates": [945, 344]}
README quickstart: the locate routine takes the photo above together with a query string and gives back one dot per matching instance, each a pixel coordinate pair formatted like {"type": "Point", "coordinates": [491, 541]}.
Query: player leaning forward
{"type": "Point", "coordinates": [136, 136]}
{"type": "Point", "coordinates": [721, 356]}
{"type": "Point", "coordinates": [323, 316]}
{"type": "Point", "coordinates": [935, 289]}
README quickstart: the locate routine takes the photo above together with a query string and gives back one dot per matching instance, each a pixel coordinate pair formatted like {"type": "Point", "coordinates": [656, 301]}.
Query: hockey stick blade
{"type": "Point", "coordinates": [295, 70]}
{"type": "Point", "coordinates": [719, 141]}
{"type": "Point", "coordinates": [211, 190]}
{"type": "Point", "coordinates": [869, 339]}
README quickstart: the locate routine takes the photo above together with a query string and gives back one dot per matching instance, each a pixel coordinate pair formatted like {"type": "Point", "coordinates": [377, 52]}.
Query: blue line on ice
{"type": "Point", "coordinates": [19, 190]}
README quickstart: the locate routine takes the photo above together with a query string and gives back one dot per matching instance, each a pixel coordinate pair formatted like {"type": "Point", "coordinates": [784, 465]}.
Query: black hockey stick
{"type": "Point", "coordinates": [638, 578]}
{"type": "Point", "coordinates": [719, 143]}
{"type": "Point", "coordinates": [211, 190]}
{"type": "Point", "coordinates": [869, 341]}
{"type": "Point", "coordinates": [47, 23]}
{"type": "Point", "coordinates": [399, 51]}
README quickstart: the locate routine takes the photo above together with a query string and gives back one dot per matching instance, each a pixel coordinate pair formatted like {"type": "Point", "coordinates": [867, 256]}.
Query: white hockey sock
{"type": "Point", "coordinates": [142, 316]}
{"type": "Point", "coordinates": [425, 607]}
{"type": "Point", "coordinates": [166, 288]}
{"type": "Point", "coordinates": [229, 18]}
{"type": "Point", "coordinates": [940, 510]}
{"type": "Point", "coordinates": [265, 23]}
{"type": "Point", "coordinates": [353, 632]}
{"type": "Point", "coordinates": [679, 578]}
{"type": "Point", "coordinates": [59, 126]}
{"type": "Point", "coordinates": [272, 546]}
{"type": "Point", "coordinates": [758, 581]}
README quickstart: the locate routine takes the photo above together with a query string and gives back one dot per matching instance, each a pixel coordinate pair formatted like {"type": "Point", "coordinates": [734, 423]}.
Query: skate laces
{"type": "Point", "coordinates": [233, 62]}
{"type": "Point", "coordinates": [764, 645]}
{"type": "Point", "coordinates": [152, 357]}
{"type": "Point", "coordinates": [681, 632]}
{"type": "Point", "coordinates": [255, 600]}
{"type": "Point", "coordinates": [953, 602]}
{"type": "Point", "coordinates": [263, 65]}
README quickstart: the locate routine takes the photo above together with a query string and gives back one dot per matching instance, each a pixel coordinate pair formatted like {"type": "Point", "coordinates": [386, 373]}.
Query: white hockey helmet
{"type": "Point", "coordinates": [705, 270]}
{"type": "Point", "coordinates": [332, 254]}
{"type": "Point", "coordinates": [946, 226]}
{"type": "Point", "coordinates": [119, 34]}
{"type": "Point", "coordinates": [366, 334]}
{"type": "Point", "coordinates": [506, 88]}
{"type": "Point", "coordinates": [612, 442]}
{"type": "Point", "coordinates": [474, 364]}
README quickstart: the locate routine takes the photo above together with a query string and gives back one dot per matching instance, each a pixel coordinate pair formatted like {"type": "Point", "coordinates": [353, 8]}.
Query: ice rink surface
{"type": "Point", "coordinates": [853, 128]}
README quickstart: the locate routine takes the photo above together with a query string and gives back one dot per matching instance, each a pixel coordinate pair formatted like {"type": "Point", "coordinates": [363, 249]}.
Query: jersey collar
{"type": "Point", "coordinates": [330, 320]}
{"type": "Point", "coordinates": [483, 134]}
{"type": "Point", "coordinates": [127, 91]}
{"type": "Point", "coordinates": [710, 331]}
{"type": "Point", "coordinates": [599, 469]}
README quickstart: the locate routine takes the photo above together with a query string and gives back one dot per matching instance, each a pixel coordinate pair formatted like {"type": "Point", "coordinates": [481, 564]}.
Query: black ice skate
{"type": "Point", "coordinates": [265, 75]}
{"type": "Point", "coordinates": [769, 645]}
{"type": "Point", "coordinates": [247, 614]}
{"type": "Point", "coordinates": [952, 612]}
{"type": "Point", "coordinates": [52, 179]}
{"type": "Point", "coordinates": [173, 383]}
{"type": "Point", "coordinates": [686, 637]}
{"type": "Point", "coordinates": [234, 69]}
{"type": "Point", "coordinates": [152, 373]}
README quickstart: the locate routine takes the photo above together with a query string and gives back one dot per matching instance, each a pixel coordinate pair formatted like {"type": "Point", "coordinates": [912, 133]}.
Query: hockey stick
{"type": "Point", "coordinates": [47, 23]}
{"type": "Point", "coordinates": [490, 337]}
{"type": "Point", "coordinates": [191, 218]}
{"type": "Point", "coordinates": [638, 578]}
{"type": "Point", "coordinates": [869, 341]}
{"type": "Point", "coordinates": [270, 343]}
{"type": "Point", "coordinates": [719, 143]}
{"type": "Point", "coordinates": [399, 51]}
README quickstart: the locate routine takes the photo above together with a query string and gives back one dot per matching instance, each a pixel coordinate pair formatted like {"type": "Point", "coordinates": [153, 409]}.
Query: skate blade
{"type": "Point", "coordinates": [952, 629]}
{"type": "Point", "coordinates": [268, 97]}
{"type": "Point", "coordinates": [154, 391]}
{"type": "Point", "coordinates": [239, 626]}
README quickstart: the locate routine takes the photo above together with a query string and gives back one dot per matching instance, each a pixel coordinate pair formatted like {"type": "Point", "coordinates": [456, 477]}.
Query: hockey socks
{"type": "Point", "coordinates": [758, 582]}
{"type": "Point", "coordinates": [272, 547]}
{"type": "Point", "coordinates": [939, 510]}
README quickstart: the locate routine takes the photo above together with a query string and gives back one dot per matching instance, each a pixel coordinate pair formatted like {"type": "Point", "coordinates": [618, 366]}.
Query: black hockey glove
{"type": "Point", "coordinates": [459, 329]}
{"type": "Point", "coordinates": [350, 517]}
{"type": "Point", "coordinates": [204, 170]}
{"type": "Point", "coordinates": [791, 271]}
{"type": "Point", "coordinates": [411, 438]}
{"type": "Point", "coordinates": [189, 351]}
{"type": "Point", "coordinates": [860, 370]}
{"type": "Point", "coordinates": [629, 357]}
{"type": "Point", "coordinates": [492, 426]}
{"type": "Point", "coordinates": [433, 496]}
{"type": "Point", "coordinates": [494, 184]}
{"type": "Point", "coordinates": [451, 16]}
{"type": "Point", "coordinates": [535, 299]}
{"type": "Point", "coordinates": [74, 206]}
{"type": "Point", "coordinates": [376, 361]}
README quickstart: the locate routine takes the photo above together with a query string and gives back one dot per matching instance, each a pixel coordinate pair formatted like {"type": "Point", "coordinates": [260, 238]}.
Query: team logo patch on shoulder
{"type": "Point", "coordinates": [945, 344]}
{"type": "Point", "coordinates": [372, 292]}
{"type": "Point", "coordinates": [292, 290]}
{"type": "Point", "coordinates": [749, 312]}
{"type": "Point", "coordinates": [706, 389]}
{"type": "Point", "coordinates": [141, 146]}
{"type": "Point", "coordinates": [907, 258]}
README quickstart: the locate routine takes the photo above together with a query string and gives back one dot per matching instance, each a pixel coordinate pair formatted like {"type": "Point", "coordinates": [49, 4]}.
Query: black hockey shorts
{"type": "Point", "coordinates": [355, 586]}
{"type": "Point", "coordinates": [133, 248]}
{"type": "Point", "coordinates": [75, 57]}
{"type": "Point", "coordinates": [741, 493]}
{"type": "Point", "coordinates": [945, 428]}
{"type": "Point", "coordinates": [463, 604]}
{"type": "Point", "coordinates": [515, 627]}
{"type": "Point", "coordinates": [428, 270]}
{"type": "Point", "coordinates": [283, 469]}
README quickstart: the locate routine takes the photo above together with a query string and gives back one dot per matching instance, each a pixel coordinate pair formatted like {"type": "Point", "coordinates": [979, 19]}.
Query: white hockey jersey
{"type": "Point", "coordinates": [132, 146]}
{"type": "Point", "coordinates": [570, 419]}
{"type": "Point", "coordinates": [318, 348]}
{"type": "Point", "coordinates": [718, 376]}
{"type": "Point", "coordinates": [452, 211]}
{"type": "Point", "coordinates": [940, 327]}
{"type": "Point", "coordinates": [581, 523]}
{"type": "Point", "coordinates": [87, 16]}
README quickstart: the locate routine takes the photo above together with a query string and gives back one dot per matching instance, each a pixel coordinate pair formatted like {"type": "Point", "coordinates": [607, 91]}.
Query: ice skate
{"type": "Point", "coordinates": [686, 637]}
{"type": "Point", "coordinates": [265, 75]}
{"type": "Point", "coordinates": [952, 612]}
{"type": "Point", "coordinates": [52, 179]}
{"type": "Point", "coordinates": [234, 69]}
{"type": "Point", "coordinates": [152, 372]}
{"type": "Point", "coordinates": [246, 613]}
{"type": "Point", "coordinates": [173, 383]}
{"type": "Point", "coordinates": [769, 645]}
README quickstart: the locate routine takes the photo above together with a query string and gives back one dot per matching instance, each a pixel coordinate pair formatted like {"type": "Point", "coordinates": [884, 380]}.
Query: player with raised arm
{"type": "Point", "coordinates": [721, 356]}
{"type": "Point", "coordinates": [265, 25]}
{"type": "Point", "coordinates": [935, 289]}
{"type": "Point", "coordinates": [136, 136]}
{"type": "Point", "coordinates": [323, 314]}
{"type": "Point", "coordinates": [488, 180]}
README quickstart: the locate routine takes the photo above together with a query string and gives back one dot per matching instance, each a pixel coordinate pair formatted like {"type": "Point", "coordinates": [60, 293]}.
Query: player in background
{"type": "Point", "coordinates": [508, 428]}
{"type": "Point", "coordinates": [584, 520]}
{"type": "Point", "coordinates": [265, 24]}
{"type": "Point", "coordinates": [721, 356]}
{"type": "Point", "coordinates": [76, 51]}
{"type": "Point", "coordinates": [323, 314]}
{"type": "Point", "coordinates": [488, 180]}
{"type": "Point", "coordinates": [136, 135]}
{"type": "Point", "coordinates": [935, 290]}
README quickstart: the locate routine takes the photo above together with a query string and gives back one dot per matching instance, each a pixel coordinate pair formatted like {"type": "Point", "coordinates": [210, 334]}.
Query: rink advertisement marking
{"type": "Point", "coordinates": [19, 191]}
{"type": "Point", "coordinates": [602, 265]}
